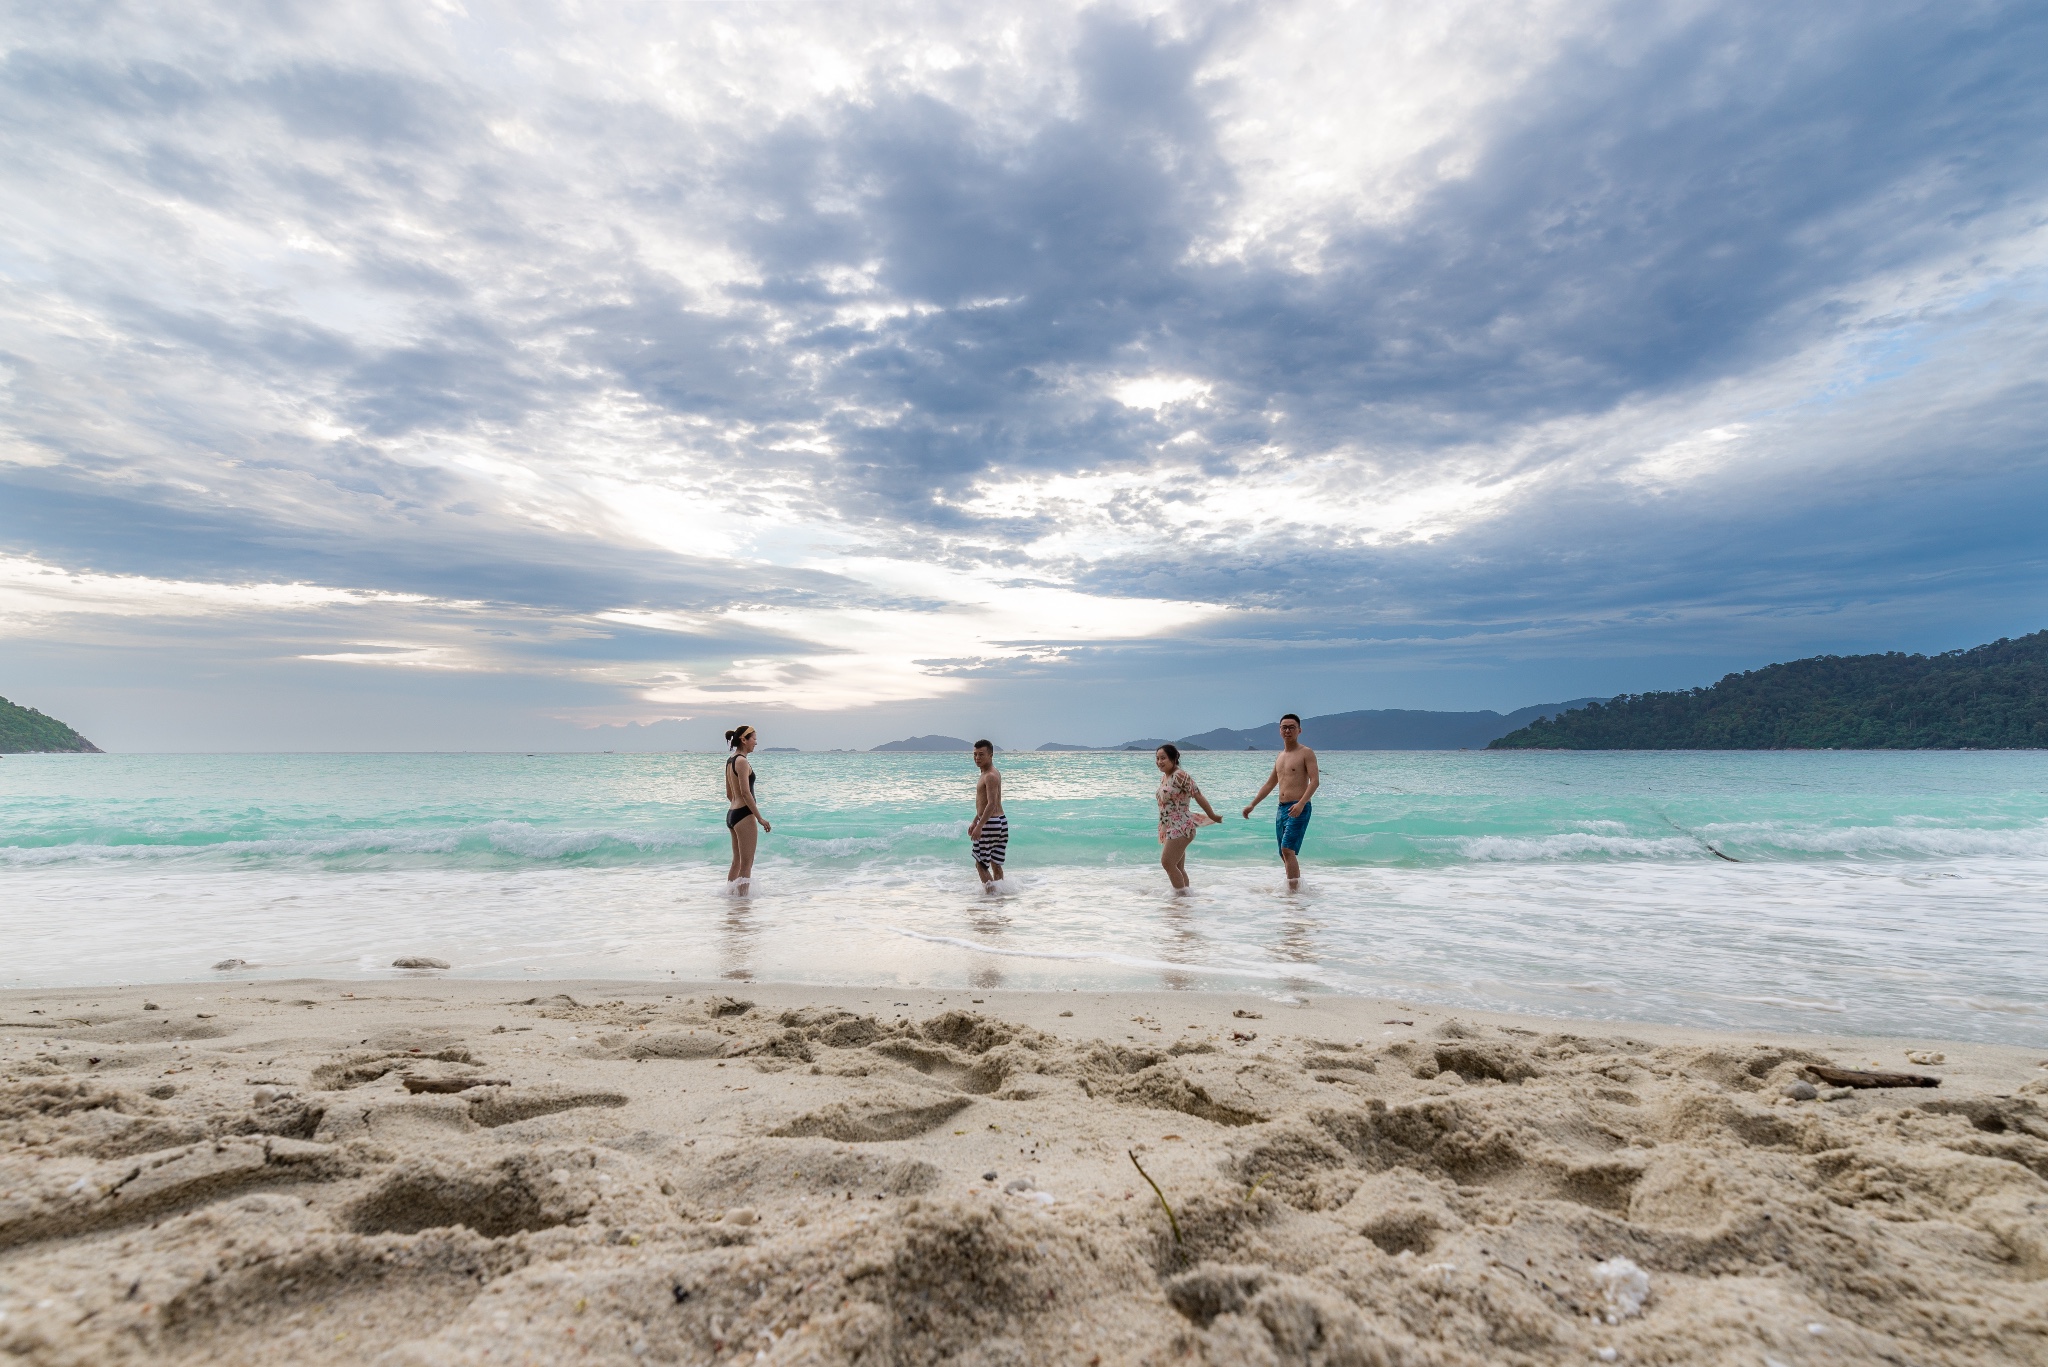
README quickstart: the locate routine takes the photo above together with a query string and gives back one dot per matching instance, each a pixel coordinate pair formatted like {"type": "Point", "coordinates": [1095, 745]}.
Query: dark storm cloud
{"type": "Point", "coordinates": [1635, 226]}
{"type": "Point", "coordinates": [465, 375]}
{"type": "Point", "coordinates": [1631, 227]}
{"type": "Point", "coordinates": [375, 108]}
{"type": "Point", "coordinates": [46, 89]}
{"type": "Point", "coordinates": [1056, 252]}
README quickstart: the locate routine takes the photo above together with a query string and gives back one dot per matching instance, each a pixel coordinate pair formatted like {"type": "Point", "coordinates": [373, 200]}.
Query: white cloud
{"type": "Point", "coordinates": [1333, 115]}
{"type": "Point", "coordinates": [38, 597]}
{"type": "Point", "coordinates": [396, 656]}
{"type": "Point", "coordinates": [1160, 391]}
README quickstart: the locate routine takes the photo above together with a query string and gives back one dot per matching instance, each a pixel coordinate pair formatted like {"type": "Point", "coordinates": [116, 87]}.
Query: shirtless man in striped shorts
{"type": "Point", "coordinates": [990, 829]}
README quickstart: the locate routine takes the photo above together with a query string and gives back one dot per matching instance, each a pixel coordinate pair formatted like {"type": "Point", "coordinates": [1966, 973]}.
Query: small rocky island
{"type": "Point", "coordinates": [25, 731]}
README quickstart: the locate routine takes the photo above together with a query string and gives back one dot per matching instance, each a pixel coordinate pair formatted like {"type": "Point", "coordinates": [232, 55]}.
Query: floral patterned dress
{"type": "Point", "coordinates": [1176, 790]}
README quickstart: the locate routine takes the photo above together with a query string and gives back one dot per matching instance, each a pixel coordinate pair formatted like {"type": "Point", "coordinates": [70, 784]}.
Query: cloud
{"type": "Point", "coordinates": [780, 352]}
{"type": "Point", "coordinates": [32, 594]}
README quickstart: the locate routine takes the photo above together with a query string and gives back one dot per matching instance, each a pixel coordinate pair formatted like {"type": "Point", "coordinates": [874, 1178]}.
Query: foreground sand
{"type": "Point", "coordinates": [794, 1175]}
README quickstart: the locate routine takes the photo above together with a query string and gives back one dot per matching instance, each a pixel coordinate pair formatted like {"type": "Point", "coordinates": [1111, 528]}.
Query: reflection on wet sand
{"type": "Point", "coordinates": [1183, 944]}
{"type": "Point", "coordinates": [991, 924]}
{"type": "Point", "coordinates": [1297, 945]}
{"type": "Point", "coordinates": [736, 943]}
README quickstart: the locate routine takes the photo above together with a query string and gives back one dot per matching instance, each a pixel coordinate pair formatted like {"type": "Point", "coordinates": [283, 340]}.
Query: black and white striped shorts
{"type": "Point", "coordinates": [992, 846]}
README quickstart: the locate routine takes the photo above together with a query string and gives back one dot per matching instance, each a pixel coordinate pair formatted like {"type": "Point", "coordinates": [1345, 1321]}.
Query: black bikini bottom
{"type": "Point", "coordinates": [735, 815]}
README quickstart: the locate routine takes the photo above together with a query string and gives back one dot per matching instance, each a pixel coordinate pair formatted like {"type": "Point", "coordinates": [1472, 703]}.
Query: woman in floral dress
{"type": "Point", "coordinates": [1176, 823]}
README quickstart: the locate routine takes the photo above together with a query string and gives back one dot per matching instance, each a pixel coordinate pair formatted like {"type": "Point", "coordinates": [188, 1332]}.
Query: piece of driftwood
{"type": "Point", "coordinates": [1855, 1077]}
{"type": "Point", "coordinates": [452, 1084]}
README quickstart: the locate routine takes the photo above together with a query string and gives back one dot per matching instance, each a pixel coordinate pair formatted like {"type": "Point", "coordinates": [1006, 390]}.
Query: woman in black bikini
{"type": "Point", "coordinates": [743, 819]}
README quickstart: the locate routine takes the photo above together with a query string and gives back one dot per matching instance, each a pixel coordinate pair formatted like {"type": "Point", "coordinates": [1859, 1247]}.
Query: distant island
{"type": "Point", "coordinates": [1146, 745]}
{"type": "Point", "coordinates": [924, 743]}
{"type": "Point", "coordinates": [25, 731]}
{"type": "Point", "coordinates": [1382, 729]}
{"type": "Point", "coordinates": [1990, 697]}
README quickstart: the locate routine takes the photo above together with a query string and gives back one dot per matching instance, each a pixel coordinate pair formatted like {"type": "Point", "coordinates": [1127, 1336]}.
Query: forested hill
{"type": "Point", "coordinates": [1992, 697]}
{"type": "Point", "coordinates": [25, 731]}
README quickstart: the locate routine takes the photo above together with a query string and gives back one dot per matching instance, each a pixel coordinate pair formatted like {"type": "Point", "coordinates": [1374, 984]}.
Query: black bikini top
{"type": "Point", "coordinates": [751, 775]}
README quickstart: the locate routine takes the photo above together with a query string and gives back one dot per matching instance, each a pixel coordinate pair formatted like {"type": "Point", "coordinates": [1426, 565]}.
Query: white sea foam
{"type": "Point", "coordinates": [2008, 1008]}
{"type": "Point", "coordinates": [1576, 845]}
{"type": "Point", "coordinates": [935, 830]}
{"type": "Point", "coordinates": [1896, 840]}
{"type": "Point", "coordinates": [541, 842]}
{"type": "Point", "coordinates": [839, 847]}
{"type": "Point", "coordinates": [1792, 1003]}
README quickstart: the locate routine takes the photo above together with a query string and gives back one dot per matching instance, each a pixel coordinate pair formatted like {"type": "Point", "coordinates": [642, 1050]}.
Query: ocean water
{"type": "Point", "coordinates": [1892, 893]}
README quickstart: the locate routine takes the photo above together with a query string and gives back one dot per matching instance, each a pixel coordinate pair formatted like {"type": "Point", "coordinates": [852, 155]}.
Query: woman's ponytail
{"type": "Point", "coordinates": [736, 735]}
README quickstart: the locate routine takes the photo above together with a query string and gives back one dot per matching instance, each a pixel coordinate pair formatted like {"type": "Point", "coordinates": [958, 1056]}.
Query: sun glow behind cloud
{"type": "Point", "coordinates": [959, 626]}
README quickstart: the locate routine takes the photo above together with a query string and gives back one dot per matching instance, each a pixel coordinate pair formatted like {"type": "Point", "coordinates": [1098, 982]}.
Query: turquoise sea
{"type": "Point", "coordinates": [1895, 893]}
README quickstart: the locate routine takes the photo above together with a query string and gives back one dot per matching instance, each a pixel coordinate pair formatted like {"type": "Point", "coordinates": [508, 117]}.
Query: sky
{"type": "Point", "coordinates": [468, 376]}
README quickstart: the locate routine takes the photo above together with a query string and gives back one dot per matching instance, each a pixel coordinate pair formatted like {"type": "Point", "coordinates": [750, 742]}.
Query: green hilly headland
{"type": "Point", "coordinates": [1990, 697]}
{"type": "Point", "coordinates": [25, 731]}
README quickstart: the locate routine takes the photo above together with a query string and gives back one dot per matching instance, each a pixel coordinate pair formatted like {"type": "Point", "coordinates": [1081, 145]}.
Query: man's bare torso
{"type": "Point", "coordinates": [1291, 768]}
{"type": "Point", "coordinates": [988, 794]}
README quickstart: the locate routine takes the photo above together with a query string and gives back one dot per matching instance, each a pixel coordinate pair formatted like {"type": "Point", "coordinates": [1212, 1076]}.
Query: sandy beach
{"type": "Point", "coordinates": [440, 1172]}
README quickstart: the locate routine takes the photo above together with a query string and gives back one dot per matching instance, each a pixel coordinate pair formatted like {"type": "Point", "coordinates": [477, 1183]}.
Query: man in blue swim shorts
{"type": "Point", "coordinates": [1296, 776]}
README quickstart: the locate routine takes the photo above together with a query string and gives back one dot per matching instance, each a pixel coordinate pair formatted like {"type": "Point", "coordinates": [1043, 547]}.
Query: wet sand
{"type": "Point", "coordinates": [431, 1171]}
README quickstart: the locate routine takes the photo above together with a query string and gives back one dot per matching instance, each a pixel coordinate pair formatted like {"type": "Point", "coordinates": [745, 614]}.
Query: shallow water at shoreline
{"type": "Point", "coordinates": [1876, 893]}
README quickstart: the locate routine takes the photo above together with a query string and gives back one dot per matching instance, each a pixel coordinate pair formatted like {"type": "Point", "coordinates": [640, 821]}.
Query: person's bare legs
{"type": "Point", "coordinates": [991, 877]}
{"type": "Point", "coordinates": [1293, 867]}
{"type": "Point", "coordinates": [745, 837]}
{"type": "Point", "coordinates": [1173, 857]}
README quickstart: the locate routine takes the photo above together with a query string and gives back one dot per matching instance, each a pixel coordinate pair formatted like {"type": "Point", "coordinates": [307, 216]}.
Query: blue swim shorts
{"type": "Point", "coordinates": [1288, 828]}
